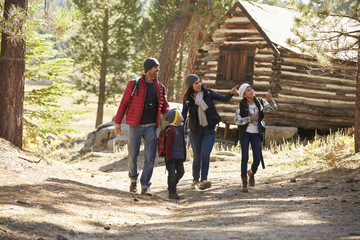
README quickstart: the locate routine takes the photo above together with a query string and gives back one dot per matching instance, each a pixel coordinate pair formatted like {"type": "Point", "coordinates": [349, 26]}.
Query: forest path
{"type": "Point", "coordinates": [89, 199]}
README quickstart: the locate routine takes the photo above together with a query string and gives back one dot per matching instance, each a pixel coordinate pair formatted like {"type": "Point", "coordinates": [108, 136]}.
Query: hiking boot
{"type": "Point", "coordinates": [146, 192]}
{"type": "Point", "coordinates": [204, 185]}
{"type": "Point", "coordinates": [244, 187]}
{"type": "Point", "coordinates": [133, 187]}
{"type": "Point", "coordinates": [173, 195]}
{"type": "Point", "coordinates": [194, 184]}
{"type": "Point", "coordinates": [251, 178]}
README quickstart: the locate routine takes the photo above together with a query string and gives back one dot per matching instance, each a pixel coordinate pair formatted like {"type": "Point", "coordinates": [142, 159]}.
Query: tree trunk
{"type": "Point", "coordinates": [103, 70]}
{"type": "Point", "coordinates": [357, 107]}
{"type": "Point", "coordinates": [190, 66]}
{"type": "Point", "coordinates": [12, 70]}
{"type": "Point", "coordinates": [179, 80]}
{"type": "Point", "coordinates": [173, 37]}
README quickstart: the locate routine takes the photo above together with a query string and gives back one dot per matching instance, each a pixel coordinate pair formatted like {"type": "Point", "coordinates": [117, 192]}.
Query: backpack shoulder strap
{"type": "Point", "coordinates": [134, 88]}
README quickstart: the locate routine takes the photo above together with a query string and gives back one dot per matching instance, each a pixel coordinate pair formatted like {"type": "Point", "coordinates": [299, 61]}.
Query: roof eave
{"type": "Point", "coordinates": [252, 20]}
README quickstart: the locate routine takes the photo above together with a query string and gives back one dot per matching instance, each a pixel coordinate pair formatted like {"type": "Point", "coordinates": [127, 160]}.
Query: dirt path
{"type": "Point", "coordinates": [89, 199]}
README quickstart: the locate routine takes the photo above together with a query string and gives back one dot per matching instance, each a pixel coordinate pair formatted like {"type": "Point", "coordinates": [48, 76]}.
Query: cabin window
{"type": "Point", "coordinates": [235, 66]}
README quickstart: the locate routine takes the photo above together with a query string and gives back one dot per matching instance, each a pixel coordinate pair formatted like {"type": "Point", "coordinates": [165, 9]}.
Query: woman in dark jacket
{"type": "Point", "coordinates": [203, 118]}
{"type": "Point", "coordinates": [249, 116]}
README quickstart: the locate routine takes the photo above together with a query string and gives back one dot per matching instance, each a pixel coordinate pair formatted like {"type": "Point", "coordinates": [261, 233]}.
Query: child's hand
{"type": "Point", "coordinates": [269, 96]}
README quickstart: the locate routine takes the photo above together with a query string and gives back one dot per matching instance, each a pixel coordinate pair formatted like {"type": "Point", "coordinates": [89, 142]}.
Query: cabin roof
{"type": "Point", "coordinates": [276, 23]}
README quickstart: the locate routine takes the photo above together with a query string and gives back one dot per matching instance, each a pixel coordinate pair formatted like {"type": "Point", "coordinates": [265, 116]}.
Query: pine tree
{"type": "Point", "coordinates": [331, 30]}
{"type": "Point", "coordinates": [103, 47]}
{"type": "Point", "coordinates": [12, 69]}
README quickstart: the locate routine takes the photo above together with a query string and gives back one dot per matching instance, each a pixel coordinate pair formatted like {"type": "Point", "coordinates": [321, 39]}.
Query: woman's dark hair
{"type": "Point", "coordinates": [190, 92]}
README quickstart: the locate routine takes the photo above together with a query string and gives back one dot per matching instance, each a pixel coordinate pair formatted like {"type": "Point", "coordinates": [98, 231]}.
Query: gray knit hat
{"type": "Point", "coordinates": [190, 79]}
{"type": "Point", "coordinates": [171, 116]}
{"type": "Point", "coordinates": [149, 63]}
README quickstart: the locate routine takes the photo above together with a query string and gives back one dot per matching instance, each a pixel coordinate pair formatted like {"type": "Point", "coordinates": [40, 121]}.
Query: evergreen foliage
{"type": "Point", "coordinates": [103, 49]}
{"type": "Point", "coordinates": [42, 114]}
{"type": "Point", "coordinates": [328, 29]}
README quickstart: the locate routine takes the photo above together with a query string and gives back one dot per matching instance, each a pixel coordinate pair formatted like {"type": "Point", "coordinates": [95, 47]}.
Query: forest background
{"type": "Point", "coordinates": [96, 46]}
{"type": "Point", "coordinates": [88, 51]}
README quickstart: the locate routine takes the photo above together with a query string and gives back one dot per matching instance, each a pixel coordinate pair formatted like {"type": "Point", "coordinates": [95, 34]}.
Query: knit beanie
{"type": "Point", "coordinates": [190, 79]}
{"type": "Point", "coordinates": [242, 89]}
{"type": "Point", "coordinates": [149, 63]}
{"type": "Point", "coordinates": [171, 116]}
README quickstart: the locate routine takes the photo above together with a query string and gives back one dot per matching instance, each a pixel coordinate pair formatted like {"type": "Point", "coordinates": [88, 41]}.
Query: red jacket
{"type": "Point", "coordinates": [133, 114]}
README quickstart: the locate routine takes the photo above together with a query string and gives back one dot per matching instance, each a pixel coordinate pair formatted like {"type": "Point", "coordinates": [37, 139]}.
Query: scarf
{"type": "Point", "coordinates": [199, 100]}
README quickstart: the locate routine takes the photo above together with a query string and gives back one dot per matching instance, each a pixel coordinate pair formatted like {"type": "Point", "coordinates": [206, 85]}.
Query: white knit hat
{"type": "Point", "coordinates": [242, 89]}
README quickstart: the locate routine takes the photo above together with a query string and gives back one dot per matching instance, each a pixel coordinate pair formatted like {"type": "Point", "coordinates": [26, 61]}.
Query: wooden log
{"type": "Point", "coordinates": [208, 58]}
{"type": "Point", "coordinates": [319, 95]}
{"type": "Point", "coordinates": [349, 74]}
{"type": "Point", "coordinates": [317, 80]}
{"type": "Point", "coordinates": [286, 107]}
{"type": "Point", "coordinates": [262, 73]}
{"type": "Point", "coordinates": [238, 34]}
{"type": "Point", "coordinates": [335, 64]}
{"type": "Point", "coordinates": [305, 124]}
{"type": "Point", "coordinates": [226, 131]}
{"type": "Point", "coordinates": [312, 117]}
{"type": "Point", "coordinates": [238, 13]}
{"type": "Point", "coordinates": [237, 25]}
{"type": "Point", "coordinates": [309, 102]}
{"type": "Point", "coordinates": [278, 121]}
{"type": "Point", "coordinates": [303, 64]}
{"type": "Point", "coordinates": [317, 87]}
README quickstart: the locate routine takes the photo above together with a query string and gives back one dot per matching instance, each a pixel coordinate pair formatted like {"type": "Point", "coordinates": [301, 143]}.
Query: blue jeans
{"type": "Point", "coordinates": [176, 171]}
{"type": "Point", "coordinates": [201, 146]}
{"type": "Point", "coordinates": [136, 133]}
{"type": "Point", "coordinates": [254, 139]}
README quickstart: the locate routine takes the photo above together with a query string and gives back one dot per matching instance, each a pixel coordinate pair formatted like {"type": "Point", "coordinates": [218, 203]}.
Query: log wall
{"type": "Point", "coordinates": [308, 95]}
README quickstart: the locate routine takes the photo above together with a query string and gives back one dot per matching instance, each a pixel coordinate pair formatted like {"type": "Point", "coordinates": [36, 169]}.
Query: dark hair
{"type": "Point", "coordinates": [190, 92]}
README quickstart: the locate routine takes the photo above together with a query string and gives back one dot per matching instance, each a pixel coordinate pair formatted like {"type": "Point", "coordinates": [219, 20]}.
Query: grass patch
{"type": "Point", "coordinates": [332, 151]}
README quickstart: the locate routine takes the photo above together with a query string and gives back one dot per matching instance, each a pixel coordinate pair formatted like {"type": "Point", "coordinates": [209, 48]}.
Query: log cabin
{"type": "Point", "coordinates": [249, 44]}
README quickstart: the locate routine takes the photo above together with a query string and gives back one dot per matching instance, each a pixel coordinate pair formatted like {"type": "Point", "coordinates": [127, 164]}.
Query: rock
{"type": "Point", "coordinates": [77, 142]}
{"type": "Point", "coordinates": [103, 136]}
{"type": "Point", "coordinates": [279, 134]}
{"type": "Point", "coordinates": [225, 156]}
{"type": "Point", "coordinates": [60, 237]}
{"type": "Point", "coordinates": [72, 232]}
{"type": "Point", "coordinates": [118, 142]}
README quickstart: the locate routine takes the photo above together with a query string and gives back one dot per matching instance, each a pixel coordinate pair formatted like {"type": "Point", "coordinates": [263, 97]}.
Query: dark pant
{"type": "Point", "coordinates": [202, 146]}
{"type": "Point", "coordinates": [254, 139]}
{"type": "Point", "coordinates": [175, 168]}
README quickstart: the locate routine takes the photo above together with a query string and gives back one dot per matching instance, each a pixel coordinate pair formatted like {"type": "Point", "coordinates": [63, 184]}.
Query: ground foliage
{"type": "Point", "coordinates": [86, 197]}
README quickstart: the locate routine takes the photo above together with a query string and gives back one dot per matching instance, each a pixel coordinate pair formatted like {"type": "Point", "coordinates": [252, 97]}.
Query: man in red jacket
{"type": "Point", "coordinates": [143, 102]}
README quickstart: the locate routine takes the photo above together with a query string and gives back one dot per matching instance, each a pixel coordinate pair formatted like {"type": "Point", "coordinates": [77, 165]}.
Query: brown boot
{"type": "Point", "coordinates": [132, 188]}
{"type": "Point", "coordinates": [244, 184]}
{"type": "Point", "coordinates": [251, 178]}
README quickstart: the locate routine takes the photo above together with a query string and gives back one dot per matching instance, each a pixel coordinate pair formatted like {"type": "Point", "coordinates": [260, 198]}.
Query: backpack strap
{"type": "Point", "coordinates": [133, 91]}
{"type": "Point", "coordinates": [134, 88]}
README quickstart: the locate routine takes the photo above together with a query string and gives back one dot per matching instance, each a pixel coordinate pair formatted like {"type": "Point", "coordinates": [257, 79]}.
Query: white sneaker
{"type": "Point", "coordinates": [204, 185]}
{"type": "Point", "coordinates": [194, 184]}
